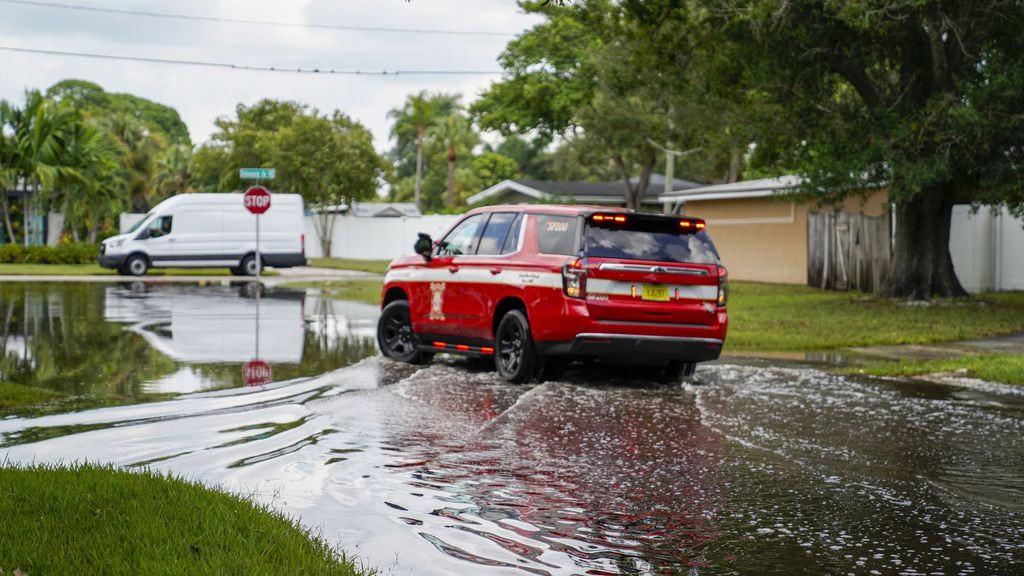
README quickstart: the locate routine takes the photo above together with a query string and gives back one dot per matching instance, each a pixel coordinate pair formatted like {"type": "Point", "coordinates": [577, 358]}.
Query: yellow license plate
{"type": "Point", "coordinates": [655, 293]}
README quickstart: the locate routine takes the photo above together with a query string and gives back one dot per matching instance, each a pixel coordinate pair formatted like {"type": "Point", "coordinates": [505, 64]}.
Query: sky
{"type": "Point", "coordinates": [201, 94]}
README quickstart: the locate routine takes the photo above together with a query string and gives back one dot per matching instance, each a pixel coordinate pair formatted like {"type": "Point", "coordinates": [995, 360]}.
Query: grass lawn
{"type": "Point", "coordinates": [775, 317]}
{"type": "Point", "coordinates": [99, 520]}
{"type": "Point", "coordinates": [96, 270]}
{"type": "Point", "coordinates": [1006, 368]}
{"type": "Point", "coordinates": [367, 291]}
{"type": "Point", "coordinates": [374, 266]}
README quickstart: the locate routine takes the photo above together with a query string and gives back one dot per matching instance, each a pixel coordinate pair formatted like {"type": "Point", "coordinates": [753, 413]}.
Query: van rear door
{"type": "Point", "coordinates": [650, 269]}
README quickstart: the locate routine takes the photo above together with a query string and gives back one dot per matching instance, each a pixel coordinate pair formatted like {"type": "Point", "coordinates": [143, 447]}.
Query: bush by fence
{"type": "Point", "coordinates": [69, 253]}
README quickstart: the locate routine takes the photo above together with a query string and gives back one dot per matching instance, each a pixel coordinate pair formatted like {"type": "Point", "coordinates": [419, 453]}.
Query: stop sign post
{"type": "Point", "coordinates": [257, 201]}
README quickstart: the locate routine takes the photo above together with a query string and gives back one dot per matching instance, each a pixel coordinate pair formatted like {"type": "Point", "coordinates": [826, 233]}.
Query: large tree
{"type": "Point", "coordinates": [589, 73]}
{"type": "Point", "coordinates": [328, 159]}
{"type": "Point", "coordinates": [924, 97]}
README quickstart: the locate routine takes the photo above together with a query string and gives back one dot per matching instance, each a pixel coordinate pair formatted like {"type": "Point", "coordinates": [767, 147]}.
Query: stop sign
{"type": "Point", "coordinates": [257, 200]}
{"type": "Point", "coordinates": [257, 373]}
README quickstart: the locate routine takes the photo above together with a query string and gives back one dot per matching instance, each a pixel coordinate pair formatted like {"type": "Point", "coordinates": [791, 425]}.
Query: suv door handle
{"type": "Point", "coordinates": [495, 271]}
{"type": "Point", "coordinates": [453, 269]}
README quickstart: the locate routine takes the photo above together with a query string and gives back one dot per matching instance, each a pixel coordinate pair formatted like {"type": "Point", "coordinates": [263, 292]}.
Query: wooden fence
{"type": "Point", "coordinates": [848, 251]}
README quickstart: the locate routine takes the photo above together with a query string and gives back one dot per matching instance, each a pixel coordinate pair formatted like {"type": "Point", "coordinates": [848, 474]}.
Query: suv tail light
{"type": "Point", "coordinates": [723, 286]}
{"type": "Point", "coordinates": [574, 279]}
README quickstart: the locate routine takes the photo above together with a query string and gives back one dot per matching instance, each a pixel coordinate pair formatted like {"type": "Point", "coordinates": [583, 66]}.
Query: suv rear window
{"type": "Point", "coordinates": [557, 234]}
{"type": "Point", "coordinates": [651, 239]}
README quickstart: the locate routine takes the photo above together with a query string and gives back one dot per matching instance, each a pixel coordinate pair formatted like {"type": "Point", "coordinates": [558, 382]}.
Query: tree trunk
{"type": "Point", "coordinates": [922, 267]}
{"type": "Point", "coordinates": [735, 165]}
{"type": "Point", "coordinates": [9, 229]}
{"type": "Point", "coordinates": [451, 183]}
{"type": "Point", "coordinates": [419, 164]}
{"type": "Point", "coordinates": [92, 233]}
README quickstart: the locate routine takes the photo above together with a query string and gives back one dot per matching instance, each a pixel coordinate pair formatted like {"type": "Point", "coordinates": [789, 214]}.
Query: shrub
{"type": "Point", "coordinates": [68, 253]}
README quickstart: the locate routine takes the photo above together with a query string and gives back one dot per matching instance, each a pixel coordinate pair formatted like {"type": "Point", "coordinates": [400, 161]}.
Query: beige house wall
{"type": "Point", "coordinates": [764, 239]}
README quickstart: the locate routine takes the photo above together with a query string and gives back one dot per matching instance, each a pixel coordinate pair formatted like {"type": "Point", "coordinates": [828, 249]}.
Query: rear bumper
{"type": "Point", "coordinates": [687, 349]}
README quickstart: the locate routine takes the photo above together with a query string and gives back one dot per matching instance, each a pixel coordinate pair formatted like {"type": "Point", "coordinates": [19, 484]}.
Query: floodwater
{"type": "Point", "coordinates": [761, 468]}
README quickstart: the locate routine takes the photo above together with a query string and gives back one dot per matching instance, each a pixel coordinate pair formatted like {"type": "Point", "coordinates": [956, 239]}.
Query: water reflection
{"type": "Point", "coordinates": [113, 344]}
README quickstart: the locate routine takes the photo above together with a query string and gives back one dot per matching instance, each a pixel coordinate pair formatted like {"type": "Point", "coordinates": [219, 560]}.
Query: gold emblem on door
{"type": "Point", "coordinates": [436, 301]}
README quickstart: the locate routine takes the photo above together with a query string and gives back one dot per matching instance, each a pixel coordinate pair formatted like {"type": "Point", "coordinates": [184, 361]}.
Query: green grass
{"type": "Point", "coordinates": [1006, 368]}
{"type": "Point", "coordinates": [99, 520]}
{"type": "Point", "coordinates": [373, 266]}
{"type": "Point", "coordinates": [14, 397]}
{"type": "Point", "coordinates": [96, 270]}
{"type": "Point", "coordinates": [783, 318]}
{"type": "Point", "coordinates": [367, 291]}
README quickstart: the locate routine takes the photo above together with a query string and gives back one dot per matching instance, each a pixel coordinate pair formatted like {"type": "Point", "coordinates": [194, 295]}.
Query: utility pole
{"type": "Point", "coordinates": [670, 161]}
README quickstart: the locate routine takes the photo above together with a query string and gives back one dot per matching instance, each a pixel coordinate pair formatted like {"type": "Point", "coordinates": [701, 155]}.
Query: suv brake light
{"type": "Point", "coordinates": [574, 279]}
{"type": "Point", "coordinates": [723, 286]}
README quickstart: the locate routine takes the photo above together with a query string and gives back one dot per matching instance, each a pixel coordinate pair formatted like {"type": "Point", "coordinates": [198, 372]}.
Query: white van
{"type": "Point", "coordinates": [209, 231]}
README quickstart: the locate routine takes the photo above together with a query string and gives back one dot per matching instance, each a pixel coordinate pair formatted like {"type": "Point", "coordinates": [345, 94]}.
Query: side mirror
{"type": "Point", "coordinates": [424, 246]}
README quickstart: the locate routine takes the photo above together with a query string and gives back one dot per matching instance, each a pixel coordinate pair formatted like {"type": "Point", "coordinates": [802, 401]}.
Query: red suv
{"type": "Point", "coordinates": [532, 284]}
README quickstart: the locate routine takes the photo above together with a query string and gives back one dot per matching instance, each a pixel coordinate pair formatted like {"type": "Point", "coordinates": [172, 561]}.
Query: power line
{"type": "Point", "coordinates": [251, 68]}
{"type": "Point", "coordinates": [177, 16]}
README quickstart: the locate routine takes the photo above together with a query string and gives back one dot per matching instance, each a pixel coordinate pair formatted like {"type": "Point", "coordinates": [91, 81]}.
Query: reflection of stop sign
{"type": "Point", "coordinates": [257, 373]}
{"type": "Point", "coordinates": [257, 200]}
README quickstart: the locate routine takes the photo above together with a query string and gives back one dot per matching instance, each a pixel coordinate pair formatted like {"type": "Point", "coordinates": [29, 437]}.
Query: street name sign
{"type": "Point", "coordinates": [257, 173]}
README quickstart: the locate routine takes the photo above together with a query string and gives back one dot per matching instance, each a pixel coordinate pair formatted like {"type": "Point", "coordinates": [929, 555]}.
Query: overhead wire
{"type": "Point", "coordinates": [246, 21]}
{"type": "Point", "coordinates": [247, 67]}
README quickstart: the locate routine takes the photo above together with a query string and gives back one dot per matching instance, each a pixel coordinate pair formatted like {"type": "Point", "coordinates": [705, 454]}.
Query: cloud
{"type": "Point", "coordinates": [201, 94]}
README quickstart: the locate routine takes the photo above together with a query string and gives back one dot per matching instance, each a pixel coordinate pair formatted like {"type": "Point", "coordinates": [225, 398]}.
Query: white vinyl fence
{"type": "Point", "coordinates": [376, 238]}
{"type": "Point", "coordinates": [987, 249]}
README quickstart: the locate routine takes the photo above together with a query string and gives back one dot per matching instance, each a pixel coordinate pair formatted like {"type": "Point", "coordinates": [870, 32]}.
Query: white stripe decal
{"type": "Point", "coordinates": [476, 275]}
{"type": "Point", "coordinates": [620, 288]}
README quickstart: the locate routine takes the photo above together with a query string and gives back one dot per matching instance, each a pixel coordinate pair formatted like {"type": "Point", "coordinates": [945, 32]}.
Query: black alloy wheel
{"type": "Point", "coordinates": [514, 355]}
{"type": "Point", "coordinates": [395, 335]}
{"type": "Point", "coordinates": [236, 271]}
{"type": "Point", "coordinates": [248, 265]}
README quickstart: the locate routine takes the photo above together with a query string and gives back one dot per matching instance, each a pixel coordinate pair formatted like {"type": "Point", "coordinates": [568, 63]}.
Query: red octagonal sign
{"type": "Point", "coordinates": [257, 200]}
{"type": "Point", "coordinates": [257, 373]}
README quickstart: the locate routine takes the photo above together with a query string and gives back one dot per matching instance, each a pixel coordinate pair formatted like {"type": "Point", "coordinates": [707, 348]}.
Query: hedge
{"type": "Point", "coordinates": [67, 253]}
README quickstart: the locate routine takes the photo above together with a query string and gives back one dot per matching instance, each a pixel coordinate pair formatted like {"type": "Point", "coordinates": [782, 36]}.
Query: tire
{"type": "Point", "coordinates": [247, 266]}
{"type": "Point", "coordinates": [677, 370]}
{"type": "Point", "coordinates": [395, 336]}
{"type": "Point", "coordinates": [514, 355]}
{"type": "Point", "coordinates": [136, 265]}
{"type": "Point", "coordinates": [236, 271]}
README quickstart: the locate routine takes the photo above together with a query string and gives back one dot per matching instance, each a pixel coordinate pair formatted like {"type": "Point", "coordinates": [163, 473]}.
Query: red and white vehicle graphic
{"type": "Point", "coordinates": [533, 284]}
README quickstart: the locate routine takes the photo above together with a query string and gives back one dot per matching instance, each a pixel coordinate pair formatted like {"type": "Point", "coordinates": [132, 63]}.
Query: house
{"type": "Point", "coordinates": [43, 227]}
{"type": "Point", "coordinates": [761, 233]}
{"type": "Point", "coordinates": [604, 193]}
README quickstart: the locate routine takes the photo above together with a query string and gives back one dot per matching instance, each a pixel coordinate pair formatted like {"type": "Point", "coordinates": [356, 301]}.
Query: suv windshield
{"type": "Point", "coordinates": [653, 239]}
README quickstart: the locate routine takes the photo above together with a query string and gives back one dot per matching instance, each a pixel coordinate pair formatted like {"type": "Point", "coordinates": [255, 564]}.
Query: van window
{"type": "Point", "coordinates": [138, 223]}
{"type": "Point", "coordinates": [557, 234]}
{"type": "Point", "coordinates": [463, 239]}
{"type": "Point", "coordinates": [495, 232]}
{"type": "Point", "coordinates": [159, 227]}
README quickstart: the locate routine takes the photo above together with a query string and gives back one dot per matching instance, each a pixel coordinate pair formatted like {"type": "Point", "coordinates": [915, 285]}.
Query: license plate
{"type": "Point", "coordinates": [655, 293]}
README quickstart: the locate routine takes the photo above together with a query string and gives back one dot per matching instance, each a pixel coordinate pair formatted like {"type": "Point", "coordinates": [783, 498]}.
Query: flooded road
{"type": "Point", "coordinates": [444, 469]}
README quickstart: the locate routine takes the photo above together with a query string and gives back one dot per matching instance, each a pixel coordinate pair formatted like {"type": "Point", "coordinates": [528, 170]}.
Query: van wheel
{"type": "Point", "coordinates": [236, 271]}
{"type": "Point", "coordinates": [395, 336]}
{"type": "Point", "coordinates": [136, 265]}
{"type": "Point", "coordinates": [248, 265]}
{"type": "Point", "coordinates": [514, 355]}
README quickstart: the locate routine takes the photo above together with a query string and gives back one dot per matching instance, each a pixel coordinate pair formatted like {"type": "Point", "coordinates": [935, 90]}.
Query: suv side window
{"type": "Point", "coordinates": [494, 234]}
{"type": "Point", "coordinates": [512, 240]}
{"type": "Point", "coordinates": [463, 239]}
{"type": "Point", "coordinates": [557, 234]}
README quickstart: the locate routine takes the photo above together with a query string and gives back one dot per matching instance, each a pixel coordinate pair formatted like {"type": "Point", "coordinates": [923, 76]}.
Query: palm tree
{"type": "Point", "coordinates": [8, 167]}
{"type": "Point", "coordinates": [38, 130]}
{"type": "Point", "coordinates": [412, 120]}
{"type": "Point", "coordinates": [174, 171]}
{"type": "Point", "coordinates": [456, 135]}
{"type": "Point", "coordinates": [138, 149]}
{"type": "Point", "coordinates": [88, 161]}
